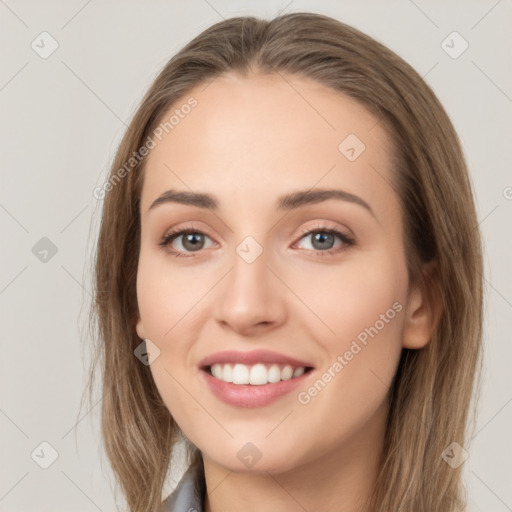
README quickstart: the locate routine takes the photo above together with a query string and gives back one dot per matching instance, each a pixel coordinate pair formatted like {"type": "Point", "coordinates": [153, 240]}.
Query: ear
{"type": "Point", "coordinates": [424, 309]}
{"type": "Point", "coordinates": [141, 332]}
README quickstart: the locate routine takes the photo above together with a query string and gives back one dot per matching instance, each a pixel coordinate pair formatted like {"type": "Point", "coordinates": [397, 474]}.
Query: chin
{"type": "Point", "coordinates": [245, 456]}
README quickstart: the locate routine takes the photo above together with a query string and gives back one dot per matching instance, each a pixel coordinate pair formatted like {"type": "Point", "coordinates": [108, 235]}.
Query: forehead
{"type": "Point", "coordinates": [267, 133]}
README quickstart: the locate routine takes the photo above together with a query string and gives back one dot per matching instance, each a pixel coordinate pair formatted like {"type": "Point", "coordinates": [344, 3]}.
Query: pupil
{"type": "Point", "coordinates": [194, 239]}
{"type": "Point", "coordinates": [322, 238]}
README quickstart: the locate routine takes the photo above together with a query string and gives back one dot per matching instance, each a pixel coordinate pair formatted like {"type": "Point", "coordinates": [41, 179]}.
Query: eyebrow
{"type": "Point", "coordinates": [286, 202]}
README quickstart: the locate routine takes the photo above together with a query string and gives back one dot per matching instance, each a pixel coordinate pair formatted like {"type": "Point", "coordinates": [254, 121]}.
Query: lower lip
{"type": "Point", "coordinates": [246, 395]}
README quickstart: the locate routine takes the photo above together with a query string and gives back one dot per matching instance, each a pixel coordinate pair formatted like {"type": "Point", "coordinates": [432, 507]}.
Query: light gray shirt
{"type": "Point", "coordinates": [190, 492]}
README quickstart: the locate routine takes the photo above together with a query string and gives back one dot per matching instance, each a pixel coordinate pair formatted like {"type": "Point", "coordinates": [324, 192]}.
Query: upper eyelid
{"type": "Point", "coordinates": [325, 226]}
{"type": "Point", "coordinates": [319, 226]}
{"type": "Point", "coordinates": [183, 230]}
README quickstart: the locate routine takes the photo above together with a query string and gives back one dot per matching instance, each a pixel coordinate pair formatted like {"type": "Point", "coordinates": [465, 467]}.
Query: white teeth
{"type": "Point", "coordinates": [298, 371]}
{"type": "Point", "coordinates": [274, 373]}
{"type": "Point", "coordinates": [227, 373]}
{"type": "Point", "coordinates": [217, 371]}
{"type": "Point", "coordinates": [287, 373]}
{"type": "Point", "coordinates": [256, 375]}
{"type": "Point", "coordinates": [240, 374]}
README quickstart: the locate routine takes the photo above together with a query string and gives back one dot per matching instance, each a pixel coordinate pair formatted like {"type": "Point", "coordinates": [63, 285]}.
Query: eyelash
{"type": "Point", "coordinates": [347, 240]}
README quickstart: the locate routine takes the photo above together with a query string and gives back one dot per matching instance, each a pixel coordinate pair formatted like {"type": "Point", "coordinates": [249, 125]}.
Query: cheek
{"type": "Point", "coordinates": [170, 303]}
{"type": "Point", "coordinates": [365, 293]}
{"type": "Point", "coordinates": [365, 310]}
{"type": "Point", "coordinates": [168, 296]}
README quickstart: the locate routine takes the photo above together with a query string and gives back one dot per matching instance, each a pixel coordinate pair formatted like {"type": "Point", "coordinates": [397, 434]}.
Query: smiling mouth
{"type": "Point", "coordinates": [256, 374]}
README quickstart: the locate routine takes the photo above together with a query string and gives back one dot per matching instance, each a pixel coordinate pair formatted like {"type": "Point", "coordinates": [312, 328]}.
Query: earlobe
{"type": "Point", "coordinates": [140, 328]}
{"type": "Point", "coordinates": [423, 312]}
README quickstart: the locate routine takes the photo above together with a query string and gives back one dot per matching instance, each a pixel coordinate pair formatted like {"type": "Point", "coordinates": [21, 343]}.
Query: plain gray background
{"type": "Point", "coordinates": [61, 120]}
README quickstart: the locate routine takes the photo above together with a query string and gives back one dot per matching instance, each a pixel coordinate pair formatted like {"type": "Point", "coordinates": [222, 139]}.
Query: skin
{"type": "Point", "coordinates": [249, 141]}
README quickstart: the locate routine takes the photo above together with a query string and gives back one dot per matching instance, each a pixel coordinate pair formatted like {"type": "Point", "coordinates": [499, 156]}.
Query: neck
{"type": "Point", "coordinates": [341, 479]}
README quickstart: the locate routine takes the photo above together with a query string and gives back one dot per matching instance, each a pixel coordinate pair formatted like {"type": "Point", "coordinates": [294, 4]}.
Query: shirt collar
{"type": "Point", "coordinates": [190, 492]}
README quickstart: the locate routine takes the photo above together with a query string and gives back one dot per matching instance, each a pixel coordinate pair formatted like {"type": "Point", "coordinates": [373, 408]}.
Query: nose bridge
{"type": "Point", "coordinates": [251, 294]}
{"type": "Point", "coordinates": [249, 280]}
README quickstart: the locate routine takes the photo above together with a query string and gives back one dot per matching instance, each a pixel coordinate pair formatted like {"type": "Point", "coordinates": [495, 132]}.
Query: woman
{"type": "Point", "coordinates": [288, 276]}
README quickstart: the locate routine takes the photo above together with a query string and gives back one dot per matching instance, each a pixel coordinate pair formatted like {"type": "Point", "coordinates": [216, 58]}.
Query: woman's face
{"type": "Point", "coordinates": [274, 280]}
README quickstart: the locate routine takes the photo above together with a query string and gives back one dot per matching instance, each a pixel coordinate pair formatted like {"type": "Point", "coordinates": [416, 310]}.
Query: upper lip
{"type": "Point", "coordinates": [252, 357]}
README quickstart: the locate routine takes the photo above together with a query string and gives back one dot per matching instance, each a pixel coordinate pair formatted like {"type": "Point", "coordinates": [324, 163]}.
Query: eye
{"type": "Point", "coordinates": [187, 241]}
{"type": "Point", "coordinates": [323, 240]}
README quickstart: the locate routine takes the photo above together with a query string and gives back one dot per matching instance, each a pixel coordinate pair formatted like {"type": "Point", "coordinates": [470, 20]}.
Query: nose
{"type": "Point", "coordinates": [251, 298]}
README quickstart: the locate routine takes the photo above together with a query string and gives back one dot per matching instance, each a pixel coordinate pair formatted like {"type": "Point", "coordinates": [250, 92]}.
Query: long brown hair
{"type": "Point", "coordinates": [431, 394]}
